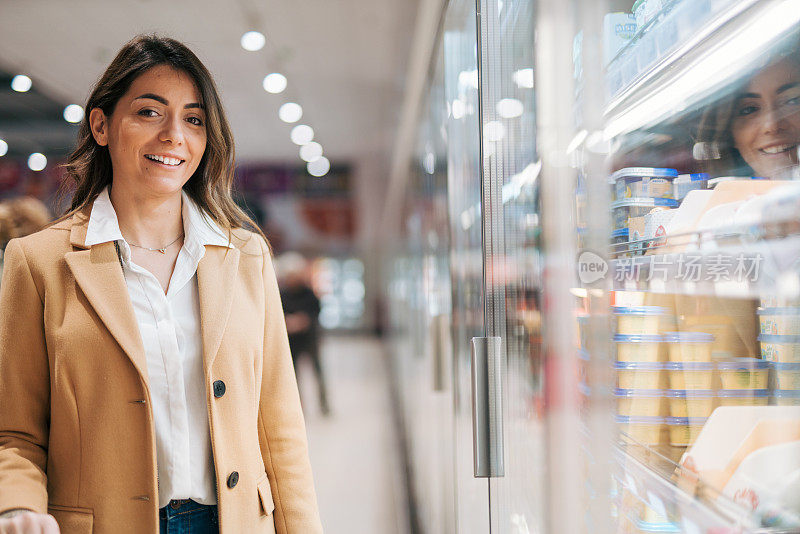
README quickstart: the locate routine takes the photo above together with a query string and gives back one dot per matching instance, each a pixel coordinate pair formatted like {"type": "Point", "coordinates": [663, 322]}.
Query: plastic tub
{"type": "Point", "coordinates": [637, 207]}
{"type": "Point", "coordinates": [637, 348]}
{"type": "Point", "coordinates": [744, 373]}
{"type": "Point", "coordinates": [779, 321]}
{"type": "Point", "coordinates": [643, 182]}
{"type": "Point", "coordinates": [683, 431]}
{"type": "Point", "coordinates": [638, 319]}
{"type": "Point", "coordinates": [785, 397]}
{"type": "Point", "coordinates": [646, 430]}
{"type": "Point", "coordinates": [690, 402]}
{"type": "Point", "coordinates": [688, 182]}
{"type": "Point", "coordinates": [645, 402]}
{"type": "Point", "coordinates": [640, 375]}
{"type": "Point", "coordinates": [690, 375]}
{"type": "Point", "coordinates": [689, 346]}
{"type": "Point", "coordinates": [743, 397]}
{"type": "Point", "coordinates": [787, 375]}
{"type": "Point", "coordinates": [776, 348]}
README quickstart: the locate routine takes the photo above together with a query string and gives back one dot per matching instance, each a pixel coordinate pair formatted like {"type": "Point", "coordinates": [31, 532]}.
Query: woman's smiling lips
{"type": "Point", "coordinates": [165, 159]}
{"type": "Point", "coordinates": [776, 148]}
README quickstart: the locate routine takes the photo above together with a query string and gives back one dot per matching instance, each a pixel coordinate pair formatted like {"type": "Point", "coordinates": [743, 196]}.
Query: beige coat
{"type": "Point", "coordinates": [76, 428]}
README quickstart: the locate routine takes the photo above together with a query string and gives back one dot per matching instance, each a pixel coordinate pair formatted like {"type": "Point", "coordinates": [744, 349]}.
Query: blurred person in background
{"type": "Point", "coordinates": [301, 307]}
{"type": "Point", "coordinates": [20, 217]}
{"type": "Point", "coordinates": [146, 381]}
{"type": "Point", "coordinates": [757, 130]}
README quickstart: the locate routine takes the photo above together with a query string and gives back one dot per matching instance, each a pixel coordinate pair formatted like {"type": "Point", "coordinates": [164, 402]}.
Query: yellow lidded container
{"type": "Point", "coordinates": [645, 430]}
{"type": "Point", "coordinates": [782, 321]}
{"type": "Point", "coordinates": [787, 376]}
{"type": "Point", "coordinates": [744, 373]}
{"type": "Point", "coordinates": [743, 397]}
{"type": "Point", "coordinates": [640, 375]}
{"type": "Point", "coordinates": [645, 402]}
{"type": "Point", "coordinates": [637, 348]}
{"type": "Point", "coordinates": [690, 402]}
{"type": "Point", "coordinates": [689, 346]}
{"type": "Point", "coordinates": [690, 375]}
{"type": "Point", "coordinates": [683, 431]}
{"type": "Point", "coordinates": [638, 319]}
{"type": "Point", "coordinates": [785, 349]}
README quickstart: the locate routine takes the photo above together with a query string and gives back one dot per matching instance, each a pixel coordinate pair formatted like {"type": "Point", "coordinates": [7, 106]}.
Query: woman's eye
{"type": "Point", "coordinates": [794, 101]}
{"type": "Point", "coordinates": [147, 112]}
{"type": "Point", "coordinates": [746, 110]}
{"type": "Point", "coordinates": [195, 120]}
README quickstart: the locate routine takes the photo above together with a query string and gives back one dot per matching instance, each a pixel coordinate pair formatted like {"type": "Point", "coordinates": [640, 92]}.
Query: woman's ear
{"type": "Point", "coordinates": [98, 123]}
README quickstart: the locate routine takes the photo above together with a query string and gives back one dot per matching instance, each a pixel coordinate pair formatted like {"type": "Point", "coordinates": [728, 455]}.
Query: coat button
{"type": "Point", "coordinates": [233, 479]}
{"type": "Point", "coordinates": [219, 388]}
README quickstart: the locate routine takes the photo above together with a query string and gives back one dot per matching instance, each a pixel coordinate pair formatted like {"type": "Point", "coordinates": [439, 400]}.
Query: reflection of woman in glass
{"type": "Point", "coordinates": [757, 131]}
{"type": "Point", "coordinates": [145, 375]}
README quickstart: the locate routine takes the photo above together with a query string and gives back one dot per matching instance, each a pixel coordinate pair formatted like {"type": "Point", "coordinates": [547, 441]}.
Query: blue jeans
{"type": "Point", "coordinates": [188, 518]}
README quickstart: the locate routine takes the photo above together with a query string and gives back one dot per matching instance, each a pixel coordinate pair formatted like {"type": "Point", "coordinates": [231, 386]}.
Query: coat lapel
{"type": "Point", "coordinates": [98, 273]}
{"type": "Point", "coordinates": [216, 274]}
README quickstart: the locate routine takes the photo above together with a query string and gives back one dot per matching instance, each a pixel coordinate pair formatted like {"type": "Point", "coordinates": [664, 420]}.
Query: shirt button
{"type": "Point", "coordinates": [219, 388]}
{"type": "Point", "coordinates": [233, 479]}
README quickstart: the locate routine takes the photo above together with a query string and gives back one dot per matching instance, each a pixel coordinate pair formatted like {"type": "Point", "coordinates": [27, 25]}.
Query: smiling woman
{"type": "Point", "coordinates": [144, 361]}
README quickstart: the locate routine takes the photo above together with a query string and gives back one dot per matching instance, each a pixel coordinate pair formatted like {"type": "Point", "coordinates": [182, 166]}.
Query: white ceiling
{"type": "Point", "coordinates": [345, 60]}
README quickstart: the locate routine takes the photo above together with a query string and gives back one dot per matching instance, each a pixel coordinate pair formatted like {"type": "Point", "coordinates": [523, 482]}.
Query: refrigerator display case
{"type": "Point", "coordinates": [596, 308]}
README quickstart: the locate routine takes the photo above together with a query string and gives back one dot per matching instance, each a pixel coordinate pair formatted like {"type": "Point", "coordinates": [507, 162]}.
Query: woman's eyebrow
{"type": "Point", "coordinates": [164, 101]}
{"type": "Point", "coordinates": [786, 87]}
{"type": "Point", "coordinates": [742, 96]}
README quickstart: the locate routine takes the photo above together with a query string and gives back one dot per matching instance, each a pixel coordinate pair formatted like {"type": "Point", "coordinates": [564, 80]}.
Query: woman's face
{"type": "Point", "coordinates": [766, 123]}
{"type": "Point", "coordinates": [156, 135]}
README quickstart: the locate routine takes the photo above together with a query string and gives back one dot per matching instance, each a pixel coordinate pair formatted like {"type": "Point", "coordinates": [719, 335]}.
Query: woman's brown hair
{"type": "Point", "coordinates": [89, 169]}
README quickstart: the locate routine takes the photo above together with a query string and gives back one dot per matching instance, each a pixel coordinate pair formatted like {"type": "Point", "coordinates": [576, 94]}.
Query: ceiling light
{"type": "Point", "coordinates": [290, 112]}
{"type": "Point", "coordinates": [508, 108]}
{"type": "Point", "coordinates": [274, 83]}
{"type": "Point", "coordinates": [311, 152]}
{"type": "Point", "coordinates": [524, 78]}
{"type": "Point", "coordinates": [3, 148]}
{"type": "Point", "coordinates": [302, 134]}
{"type": "Point", "coordinates": [319, 167]}
{"type": "Point", "coordinates": [252, 41]}
{"type": "Point", "coordinates": [494, 131]}
{"type": "Point", "coordinates": [37, 161]}
{"type": "Point", "coordinates": [21, 83]}
{"type": "Point", "coordinates": [73, 113]}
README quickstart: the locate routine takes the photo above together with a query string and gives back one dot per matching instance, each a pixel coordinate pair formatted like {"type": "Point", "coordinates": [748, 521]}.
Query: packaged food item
{"type": "Point", "coordinates": [714, 182]}
{"type": "Point", "coordinates": [643, 182]}
{"type": "Point", "coordinates": [636, 244]}
{"type": "Point", "coordinates": [655, 224]}
{"type": "Point", "coordinates": [637, 348]}
{"type": "Point", "coordinates": [688, 182]}
{"type": "Point", "coordinates": [783, 321]}
{"type": "Point", "coordinates": [644, 430]}
{"type": "Point", "coordinates": [646, 402]}
{"type": "Point", "coordinates": [690, 375]}
{"type": "Point", "coordinates": [689, 346]}
{"type": "Point", "coordinates": [646, 10]}
{"type": "Point", "coordinates": [787, 375]}
{"type": "Point", "coordinates": [743, 397]}
{"type": "Point", "coordinates": [777, 348]}
{"type": "Point", "coordinates": [618, 30]}
{"type": "Point", "coordinates": [630, 298]}
{"type": "Point", "coordinates": [640, 375]}
{"type": "Point", "coordinates": [786, 397]}
{"type": "Point", "coordinates": [637, 207]}
{"type": "Point", "coordinates": [683, 431]}
{"type": "Point", "coordinates": [744, 373]}
{"type": "Point", "coordinates": [638, 319]}
{"type": "Point", "coordinates": [690, 402]}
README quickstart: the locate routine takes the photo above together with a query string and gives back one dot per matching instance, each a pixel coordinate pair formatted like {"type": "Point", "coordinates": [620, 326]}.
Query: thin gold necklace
{"type": "Point", "coordinates": [161, 250]}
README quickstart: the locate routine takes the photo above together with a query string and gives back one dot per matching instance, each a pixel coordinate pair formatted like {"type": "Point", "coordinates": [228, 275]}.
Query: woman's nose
{"type": "Point", "coordinates": [172, 131]}
{"type": "Point", "coordinates": [773, 119]}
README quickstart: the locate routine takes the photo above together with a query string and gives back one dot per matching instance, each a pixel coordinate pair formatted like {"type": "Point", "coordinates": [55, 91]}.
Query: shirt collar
{"type": "Point", "coordinates": [198, 228]}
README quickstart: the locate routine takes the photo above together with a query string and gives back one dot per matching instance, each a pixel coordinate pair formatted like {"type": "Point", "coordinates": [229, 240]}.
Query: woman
{"type": "Point", "coordinates": [145, 375]}
{"type": "Point", "coordinates": [757, 130]}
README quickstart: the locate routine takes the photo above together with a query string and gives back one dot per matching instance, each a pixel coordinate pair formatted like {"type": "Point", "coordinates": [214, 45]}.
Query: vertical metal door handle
{"type": "Point", "coordinates": [440, 340]}
{"type": "Point", "coordinates": [487, 407]}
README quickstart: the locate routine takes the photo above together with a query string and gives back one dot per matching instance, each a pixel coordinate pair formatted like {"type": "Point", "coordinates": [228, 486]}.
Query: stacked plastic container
{"type": "Point", "coordinates": [780, 346]}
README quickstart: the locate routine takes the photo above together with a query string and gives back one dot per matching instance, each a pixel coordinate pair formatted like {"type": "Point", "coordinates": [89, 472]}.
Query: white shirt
{"type": "Point", "coordinates": [170, 328]}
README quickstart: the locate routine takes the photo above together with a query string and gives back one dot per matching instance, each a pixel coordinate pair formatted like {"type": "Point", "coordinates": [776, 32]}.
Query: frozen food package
{"type": "Point", "coordinates": [618, 30]}
{"type": "Point", "coordinates": [643, 182]}
{"type": "Point", "coordinates": [688, 182]}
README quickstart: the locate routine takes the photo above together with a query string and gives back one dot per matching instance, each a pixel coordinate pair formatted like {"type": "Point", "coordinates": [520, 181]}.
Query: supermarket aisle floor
{"type": "Point", "coordinates": [354, 451]}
